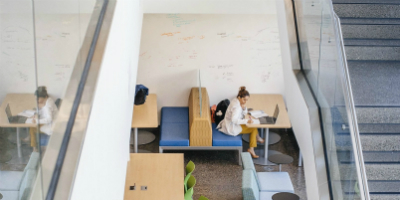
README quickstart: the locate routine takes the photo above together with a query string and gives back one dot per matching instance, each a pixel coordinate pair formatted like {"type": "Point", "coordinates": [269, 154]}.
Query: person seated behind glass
{"type": "Point", "coordinates": [47, 114]}
{"type": "Point", "coordinates": [234, 122]}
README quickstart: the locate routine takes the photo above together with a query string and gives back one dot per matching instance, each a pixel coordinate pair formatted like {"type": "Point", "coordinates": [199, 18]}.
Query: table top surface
{"type": "Point", "coordinates": [18, 103]}
{"type": "Point", "coordinates": [280, 159]}
{"type": "Point", "coordinates": [146, 115]}
{"type": "Point", "coordinates": [267, 103]}
{"type": "Point", "coordinates": [285, 196]}
{"type": "Point", "coordinates": [163, 174]}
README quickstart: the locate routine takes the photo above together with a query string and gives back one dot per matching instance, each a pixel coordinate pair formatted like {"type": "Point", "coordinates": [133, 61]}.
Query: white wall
{"type": "Point", "coordinates": [60, 29]}
{"type": "Point", "coordinates": [102, 167]}
{"type": "Point", "coordinates": [16, 48]}
{"type": "Point", "coordinates": [230, 50]}
{"type": "Point", "coordinates": [210, 6]}
{"type": "Point", "coordinates": [301, 112]}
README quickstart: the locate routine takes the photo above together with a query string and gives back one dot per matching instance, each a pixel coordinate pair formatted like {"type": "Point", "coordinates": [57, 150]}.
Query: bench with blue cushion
{"type": "Point", "coordinates": [262, 185]}
{"type": "Point", "coordinates": [174, 128]}
{"type": "Point", "coordinates": [174, 133]}
{"type": "Point", "coordinates": [222, 139]}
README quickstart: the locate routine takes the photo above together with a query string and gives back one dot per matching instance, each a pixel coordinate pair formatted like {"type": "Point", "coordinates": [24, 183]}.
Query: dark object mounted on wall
{"type": "Point", "coordinates": [141, 94]}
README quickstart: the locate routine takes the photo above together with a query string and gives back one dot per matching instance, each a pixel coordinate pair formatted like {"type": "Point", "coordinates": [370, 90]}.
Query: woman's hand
{"type": "Point", "coordinates": [250, 121]}
{"type": "Point", "coordinates": [34, 119]}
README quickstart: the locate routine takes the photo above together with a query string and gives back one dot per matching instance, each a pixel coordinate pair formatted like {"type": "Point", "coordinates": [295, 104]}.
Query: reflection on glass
{"type": "Point", "coordinates": [323, 66]}
{"type": "Point", "coordinates": [40, 45]}
{"type": "Point", "coordinates": [19, 149]}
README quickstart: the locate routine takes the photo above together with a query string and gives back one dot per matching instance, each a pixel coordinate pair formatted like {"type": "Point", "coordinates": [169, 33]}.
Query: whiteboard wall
{"type": "Point", "coordinates": [58, 40]}
{"type": "Point", "coordinates": [230, 51]}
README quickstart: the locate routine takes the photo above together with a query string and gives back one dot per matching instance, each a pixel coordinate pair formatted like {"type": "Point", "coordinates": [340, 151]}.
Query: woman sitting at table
{"type": "Point", "coordinates": [234, 122]}
{"type": "Point", "coordinates": [47, 113]}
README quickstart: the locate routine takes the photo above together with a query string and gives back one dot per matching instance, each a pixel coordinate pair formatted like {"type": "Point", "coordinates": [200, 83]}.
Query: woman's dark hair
{"type": "Point", "coordinates": [41, 92]}
{"type": "Point", "coordinates": [243, 92]}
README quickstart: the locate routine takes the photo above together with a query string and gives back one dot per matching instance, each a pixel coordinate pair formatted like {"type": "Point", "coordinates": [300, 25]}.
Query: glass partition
{"type": "Point", "coordinates": [326, 70]}
{"type": "Point", "coordinates": [64, 33]}
{"type": "Point", "coordinates": [19, 152]}
{"type": "Point", "coordinates": [46, 53]}
{"type": "Point", "coordinates": [67, 33]}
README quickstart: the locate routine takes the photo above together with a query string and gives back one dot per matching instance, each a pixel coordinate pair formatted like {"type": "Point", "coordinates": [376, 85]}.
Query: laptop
{"type": "Point", "coordinates": [270, 120]}
{"type": "Point", "coordinates": [14, 119]}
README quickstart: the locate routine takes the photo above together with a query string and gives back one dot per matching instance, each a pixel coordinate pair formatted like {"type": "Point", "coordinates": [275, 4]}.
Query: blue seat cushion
{"type": "Point", "coordinates": [221, 139]}
{"type": "Point", "coordinates": [275, 182]}
{"type": "Point", "coordinates": [174, 114]}
{"type": "Point", "coordinates": [174, 134]}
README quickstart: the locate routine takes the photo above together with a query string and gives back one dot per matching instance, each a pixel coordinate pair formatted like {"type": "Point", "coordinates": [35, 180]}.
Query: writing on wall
{"type": "Point", "coordinates": [229, 50]}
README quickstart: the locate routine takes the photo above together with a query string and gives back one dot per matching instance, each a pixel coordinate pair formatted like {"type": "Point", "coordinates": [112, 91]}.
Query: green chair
{"type": "Point", "coordinates": [189, 194]}
{"type": "Point", "coordinates": [191, 182]}
{"type": "Point", "coordinates": [203, 198]}
{"type": "Point", "coordinates": [190, 167]}
{"type": "Point", "coordinates": [186, 180]}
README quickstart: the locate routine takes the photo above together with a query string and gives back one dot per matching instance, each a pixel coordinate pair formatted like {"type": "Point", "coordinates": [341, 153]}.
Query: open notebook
{"type": "Point", "coordinates": [258, 113]}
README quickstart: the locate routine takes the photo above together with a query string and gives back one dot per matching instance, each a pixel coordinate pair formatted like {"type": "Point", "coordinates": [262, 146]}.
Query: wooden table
{"type": "Point", "coordinates": [144, 116]}
{"type": "Point", "coordinates": [162, 174]}
{"type": "Point", "coordinates": [267, 103]}
{"type": "Point", "coordinates": [18, 103]}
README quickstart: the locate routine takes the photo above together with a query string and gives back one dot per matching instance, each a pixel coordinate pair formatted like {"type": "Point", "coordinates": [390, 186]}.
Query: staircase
{"type": "Point", "coordinates": [371, 32]}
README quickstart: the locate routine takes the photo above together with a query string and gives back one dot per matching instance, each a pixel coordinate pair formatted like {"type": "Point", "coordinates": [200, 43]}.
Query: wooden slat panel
{"type": "Point", "coordinates": [200, 126]}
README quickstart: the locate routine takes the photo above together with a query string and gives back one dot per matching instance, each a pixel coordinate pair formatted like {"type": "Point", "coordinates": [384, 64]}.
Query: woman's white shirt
{"type": "Point", "coordinates": [234, 117]}
{"type": "Point", "coordinates": [47, 115]}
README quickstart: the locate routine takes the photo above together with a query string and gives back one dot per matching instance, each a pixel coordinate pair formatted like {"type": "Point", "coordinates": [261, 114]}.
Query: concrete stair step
{"type": "Point", "coordinates": [376, 187]}
{"type": "Point", "coordinates": [378, 115]}
{"type": "Point", "coordinates": [361, 31]}
{"type": "Point", "coordinates": [375, 172]}
{"type": "Point", "coordinates": [371, 42]}
{"type": "Point", "coordinates": [385, 143]}
{"type": "Point", "coordinates": [384, 196]}
{"type": "Point", "coordinates": [365, 129]}
{"type": "Point", "coordinates": [384, 187]}
{"type": "Point", "coordinates": [366, 1]}
{"type": "Point", "coordinates": [371, 53]}
{"type": "Point", "coordinates": [367, 10]}
{"type": "Point", "coordinates": [370, 157]}
{"type": "Point", "coordinates": [374, 197]}
{"type": "Point", "coordinates": [375, 83]}
{"type": "Point", "coordinates": [369, 21]}
{"type": "Point", "coordinates": [368, 116]}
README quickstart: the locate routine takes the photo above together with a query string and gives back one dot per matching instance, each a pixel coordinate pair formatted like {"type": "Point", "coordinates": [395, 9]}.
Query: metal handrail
{"type": "Point", "coordinates": [76, 103]}
{"type": "Point", "coordinates": [351, 112]}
